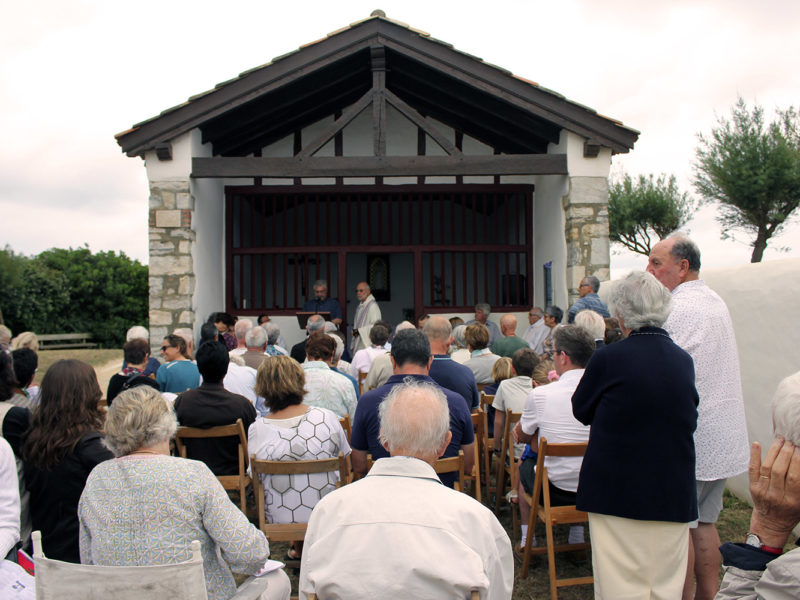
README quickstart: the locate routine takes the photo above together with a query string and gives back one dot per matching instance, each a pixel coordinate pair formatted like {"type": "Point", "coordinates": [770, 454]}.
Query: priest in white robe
{"type": "Point", "coordinates": [367, 313]}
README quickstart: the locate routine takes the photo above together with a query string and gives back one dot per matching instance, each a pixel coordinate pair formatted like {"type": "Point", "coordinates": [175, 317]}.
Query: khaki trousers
{"type": "Point", "coordinates": [638, 560]}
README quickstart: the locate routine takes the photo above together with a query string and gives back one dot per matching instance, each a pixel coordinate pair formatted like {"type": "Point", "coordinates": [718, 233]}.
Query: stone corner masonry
{"type": "Point", "coordinates": [172, 276]}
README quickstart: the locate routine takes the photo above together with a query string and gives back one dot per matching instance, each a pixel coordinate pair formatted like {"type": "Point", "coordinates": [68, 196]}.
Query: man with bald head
{"type": "Point", "coordinates": [700, 324]}
{"type": "Point", "coordinates": [315, 324]}
{"type": "Point", "coordinates": [367, 314]}
{"type": "Point", "coordinates": [411, 360]}
{"type": "Point", "coordinates": [444, 370]}
{"type": "Point", "coordinates": [509, 342]}
{"type": "Point", "coordinates": [399, 533]}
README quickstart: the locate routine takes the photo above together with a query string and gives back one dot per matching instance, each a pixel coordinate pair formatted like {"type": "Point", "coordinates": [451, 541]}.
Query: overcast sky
{"type": "Point", "coordinates": [73, 74]}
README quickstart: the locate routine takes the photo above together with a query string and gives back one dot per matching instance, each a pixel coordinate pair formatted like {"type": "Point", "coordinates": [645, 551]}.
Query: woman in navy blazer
{"type": "Point", "coordinates": [637, 481]}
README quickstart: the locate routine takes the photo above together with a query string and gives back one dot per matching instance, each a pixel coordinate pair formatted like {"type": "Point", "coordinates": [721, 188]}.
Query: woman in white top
{"type": "Point", "coordinates": [293, 431]}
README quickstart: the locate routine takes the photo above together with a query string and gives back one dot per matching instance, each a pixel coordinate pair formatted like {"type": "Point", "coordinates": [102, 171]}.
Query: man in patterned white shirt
{"type": "Point", "coordinates": [700, 324]}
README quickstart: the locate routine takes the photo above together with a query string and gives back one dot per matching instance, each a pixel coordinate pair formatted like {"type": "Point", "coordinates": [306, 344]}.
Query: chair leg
{"type": "Point", "coordinates": [551, 560]}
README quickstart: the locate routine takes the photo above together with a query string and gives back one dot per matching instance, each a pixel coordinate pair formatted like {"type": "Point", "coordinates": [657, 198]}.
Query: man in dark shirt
{"type": "Point", "coordinates": [211, 405]}
{"type": "Point", "coordinates": [444, 370]}
{"type": "Point", "coordinates": [323, 303]}
{"type": "Point", "coordinates": [411, 359]}
{"type": "Point", "coordinates": [315, 323]}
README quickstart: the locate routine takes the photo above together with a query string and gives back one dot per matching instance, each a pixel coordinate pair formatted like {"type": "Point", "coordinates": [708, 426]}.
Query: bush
{"type": "Point", "coordinates": [73, 290]}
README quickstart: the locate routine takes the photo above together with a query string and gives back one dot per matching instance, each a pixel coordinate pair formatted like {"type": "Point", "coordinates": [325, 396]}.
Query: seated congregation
{"type": "Point", "coordinates": [385, 470]}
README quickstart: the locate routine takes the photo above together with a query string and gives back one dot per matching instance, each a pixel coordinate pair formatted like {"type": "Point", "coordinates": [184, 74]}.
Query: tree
{"type": "Point", "coordinates": [107, 292]}
{"type": "Point", "coordinates": [752, 170]}
{"type": "Point", "coordinates": [648, 207]}
{"type": "Point", "coordinates": [66, 290]}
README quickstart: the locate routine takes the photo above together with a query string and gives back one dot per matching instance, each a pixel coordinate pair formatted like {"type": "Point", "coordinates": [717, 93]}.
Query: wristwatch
{"type": "Point", "coordinates": [753, 540]}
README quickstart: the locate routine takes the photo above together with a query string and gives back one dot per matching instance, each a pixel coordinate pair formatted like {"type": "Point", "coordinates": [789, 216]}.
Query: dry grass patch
{"type": "Point", "coordinates": [96, 357]}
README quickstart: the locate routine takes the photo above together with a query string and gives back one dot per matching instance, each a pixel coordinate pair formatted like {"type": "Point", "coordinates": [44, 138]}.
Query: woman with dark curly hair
{"type": "Point", "coordinates": [60, 449]}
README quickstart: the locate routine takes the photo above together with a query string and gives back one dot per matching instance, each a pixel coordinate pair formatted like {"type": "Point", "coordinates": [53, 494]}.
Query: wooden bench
{"type": "Point", "coordinates": [59, 341]}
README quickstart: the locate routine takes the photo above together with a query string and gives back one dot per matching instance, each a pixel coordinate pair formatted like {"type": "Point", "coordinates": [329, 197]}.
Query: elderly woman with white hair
{"type": "Point", "coordinates": [637, 480]}
{"type": "Point", "coordinates": [758, 568]}
{"type": "Point", "coordinates": [145, 507]}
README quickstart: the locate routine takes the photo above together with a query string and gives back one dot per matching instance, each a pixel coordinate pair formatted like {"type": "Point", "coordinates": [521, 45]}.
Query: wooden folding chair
{"type": "Point", "coordinates": [474, 478]}
{"type": "Point", "coordinates": [488, 445]}
{"type": "Point", "coordinates": [289, 532]}
{"type": "Point", "coordinates": [348, 430]}
{"type": "Point", "coordinates": [362, 377]}
{"type": "Point", "coordinates": [553, 515]}
{"type": "Point", "coordinates": [347, 426]}
{"type": "Point", "coordinates": [229, 482]}
{"type": "Point", "coordinates": [453, 464]}
{"type": "Point", "coordinates": [473, 595]}
{"type": "Point", "coordinates": [507, 473]}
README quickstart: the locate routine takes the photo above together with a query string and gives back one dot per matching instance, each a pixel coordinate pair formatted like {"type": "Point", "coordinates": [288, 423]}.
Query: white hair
{"type": "Point", "coordinates": [786, 409]}
{"type": "Point", "coordinates": [592, 322]}
{"type": "Point", "coordinates": [273, 332]}
{"type": "Point", "coordinates": [236, 359]}
{"type": "Point", "coordinates": [339, 350]}
{"type": "Point", "coordinates": [459, 336]}
{"type": "Point", "coordinates": [330, 326]}
{"type": "Point", "coordinates": [241, 328]}
{"type": "Point", "coordinates": [256, 338]}
{"type": "Point", "coordinates": [420, 433]}
{"type": "Point", "coordinates": [137, 332]}
{"type": "Point", "coordinates": [640, 300]}
{"type": "Point", "coordinates": [137, 418]}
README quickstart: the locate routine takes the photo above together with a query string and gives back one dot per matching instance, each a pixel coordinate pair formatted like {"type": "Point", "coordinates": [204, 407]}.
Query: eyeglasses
{"type": "Point", "coordinates": [164, 348]}
{"type": "Point", "coordinates": [583, 285]}
{"type": "Point", "coordinates": [560, 352]}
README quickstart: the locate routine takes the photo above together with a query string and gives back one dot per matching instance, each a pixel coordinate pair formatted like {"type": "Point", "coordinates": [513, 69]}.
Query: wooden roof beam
{"type": "Point", "coordinates": [380, 166]}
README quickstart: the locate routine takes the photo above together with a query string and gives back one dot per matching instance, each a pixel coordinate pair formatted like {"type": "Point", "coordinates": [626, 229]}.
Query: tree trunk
{"type": "Point", "coordinates": [759, 245]}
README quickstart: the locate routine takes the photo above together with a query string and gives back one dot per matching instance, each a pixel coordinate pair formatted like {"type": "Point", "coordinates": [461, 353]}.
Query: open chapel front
{"type": "Point", "coordinates": [381, 154]}
{"type": "Point", "coordinates": [421, 248]}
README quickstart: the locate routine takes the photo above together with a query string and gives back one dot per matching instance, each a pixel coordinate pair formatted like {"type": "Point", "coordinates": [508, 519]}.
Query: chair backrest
{"type": "Point", "coordinates": [453, 464]}
{"type": "Point", "coordinates": [241, 480]}
{"type": "Point", "coordinates": [233, 430]}
{"type": "Point", "coordinates": [475, 476]}
{"type": "Point", "coordinates": [545, 450]}
{"type": "Point", "coordinates": [473, 595]}
{"type": "Point", "coordinates": [362, 377]}
{"type": "Point", "coordinates": [286, 532]}
{"type": "Point", "coordinates": [346, 426]}
{"type": "Point", "coordinates": [57, 580]}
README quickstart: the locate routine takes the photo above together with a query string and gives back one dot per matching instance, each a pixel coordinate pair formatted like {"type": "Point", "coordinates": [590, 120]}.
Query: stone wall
{"type": "Point", "coordinates": [172, 278]}
{"type": "Point", "coordinates": [586, 230]}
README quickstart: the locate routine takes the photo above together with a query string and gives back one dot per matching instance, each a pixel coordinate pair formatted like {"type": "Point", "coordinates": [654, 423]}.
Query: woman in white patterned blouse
{"type": "Point", "coordinates": [146, 507]}
{"type": "Point", "coordinates": [293, 431]}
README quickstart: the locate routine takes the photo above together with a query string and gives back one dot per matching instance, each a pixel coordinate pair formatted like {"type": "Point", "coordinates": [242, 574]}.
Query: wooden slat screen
{"type": "Point", "coordinates": [474, 241]}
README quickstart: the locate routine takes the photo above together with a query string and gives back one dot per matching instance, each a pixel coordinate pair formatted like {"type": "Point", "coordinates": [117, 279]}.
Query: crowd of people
{"type": "Point", "coordinates": [650, 382]}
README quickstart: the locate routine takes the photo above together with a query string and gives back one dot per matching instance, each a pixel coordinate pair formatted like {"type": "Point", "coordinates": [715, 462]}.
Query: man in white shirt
{"type": "Point", "coordinates": [400, 533]}
{"type": "Point", "coordinates": [378, 336]}
{"type": "Point", "coordinates": [700, 324]}
{"type": "Point", "coordinates": [548, 413]}
{"type": "Point", "coordinates": [240, 331]}
{"type": "Point", "coordinates": [537, 331]}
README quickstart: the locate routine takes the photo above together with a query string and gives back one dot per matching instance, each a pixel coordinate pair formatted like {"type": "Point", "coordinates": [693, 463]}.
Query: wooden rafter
{"type": "Point", "coordinates": [339, 124]}
{"type": "Point", "coordinates": [412, 115]}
